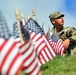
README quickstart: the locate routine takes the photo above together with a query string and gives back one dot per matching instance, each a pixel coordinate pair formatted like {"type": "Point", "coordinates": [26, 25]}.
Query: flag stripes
{"type": "Point", "coordinates": [30, 61]}
{"type": "Point", "coordinates": [31, 66]}
{"type": "Point", "coordinates": [41, 43]}
{"type": "Point", "coordinates": [27, 52]}
{"type": "Point", "coordinates": [11, 61]}
{"type": "Point", "coordinates": [57, 46]}
{"type": "Point", "coordinates": [42, 47]}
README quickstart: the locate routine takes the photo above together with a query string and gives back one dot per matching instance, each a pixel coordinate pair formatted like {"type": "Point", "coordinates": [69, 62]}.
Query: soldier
{"type": "Point", "coordinates": [66, 34]}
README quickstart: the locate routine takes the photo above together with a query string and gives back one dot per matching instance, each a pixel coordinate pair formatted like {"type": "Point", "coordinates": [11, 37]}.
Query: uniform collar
{"type": "Point", "coordinates": [58, 30]}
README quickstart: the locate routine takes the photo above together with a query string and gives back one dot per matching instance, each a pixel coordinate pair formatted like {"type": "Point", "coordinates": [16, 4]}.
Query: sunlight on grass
{"type": "Point", "coordinates": [60, 66]}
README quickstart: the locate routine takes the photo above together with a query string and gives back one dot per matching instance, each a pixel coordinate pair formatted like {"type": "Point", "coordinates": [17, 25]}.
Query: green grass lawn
{"type": "Point", "coordinates": [59, 66]}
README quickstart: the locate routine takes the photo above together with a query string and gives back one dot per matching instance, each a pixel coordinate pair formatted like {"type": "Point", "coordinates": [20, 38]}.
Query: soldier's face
{"type": "Point", "coordinates": [59, 21]}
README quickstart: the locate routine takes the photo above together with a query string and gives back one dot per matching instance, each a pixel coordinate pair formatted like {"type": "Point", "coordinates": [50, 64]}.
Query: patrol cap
{"type": "Point", "coordinates": [55, 15]}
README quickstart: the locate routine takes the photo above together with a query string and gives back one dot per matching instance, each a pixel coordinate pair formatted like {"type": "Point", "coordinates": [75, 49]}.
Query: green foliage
{"type": "Point", "coordinates": [60, 66]}
{"type": "Point", "coordinates": [21, 73]}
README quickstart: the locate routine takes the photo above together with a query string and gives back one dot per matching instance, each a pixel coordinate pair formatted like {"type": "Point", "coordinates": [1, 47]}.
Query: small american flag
{"type": "Point", "coordinates": [10, 57]}
{"type": "Point", "coordinates": [57, 45]}
{"type": "Point", "coordinates": [42, 46]}
{"type": "Point", "coordinates": [31, 66]}
{"type": "Point", "coordinates": [11, 61]}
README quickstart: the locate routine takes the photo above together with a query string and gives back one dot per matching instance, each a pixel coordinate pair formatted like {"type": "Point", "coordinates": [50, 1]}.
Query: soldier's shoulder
{"type": "Point", "coordinates": [52, 31]}
{"type": "Point", "coordinates": [69, 28]}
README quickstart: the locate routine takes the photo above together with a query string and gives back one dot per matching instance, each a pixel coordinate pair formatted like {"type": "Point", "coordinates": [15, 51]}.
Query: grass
{"type": "Point", "coordinates": [59, 66]}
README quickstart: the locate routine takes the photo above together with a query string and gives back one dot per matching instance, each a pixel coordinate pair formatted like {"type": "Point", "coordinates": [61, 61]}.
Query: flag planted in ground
{"type": "Point", "coordinates": [10, 57]}
{"type": "Point", "coordinates": [11, 61]}
{"type": "Point", "coordinates": [31, 66]}
{"type": "Point", "coordinates": [57, 45]}
{"type": "Point", "coordinates": [41, 44]}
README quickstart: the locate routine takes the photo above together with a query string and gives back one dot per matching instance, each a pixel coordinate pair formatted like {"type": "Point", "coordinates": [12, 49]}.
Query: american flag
{"type": "Point", "coordinates": [11, 61]}
{"type": "Point", "coordinates": [10, 58]}
{"type": "Point", "coordinates": [31, 66]}
{"type": "Point", "coordinates": [42, 46]}
{"type": "Point", "coordinates": [56, 43]}
{"type": "Point", "coordinates": [57, 46]}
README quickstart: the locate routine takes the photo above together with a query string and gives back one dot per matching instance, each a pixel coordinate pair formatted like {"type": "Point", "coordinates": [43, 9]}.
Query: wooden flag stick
{"type": "Point", "coordinates": [19, 28]}
{"type": "Point", "coordinates": [23, 19]}
{"type": "Point", "coordinates": [33, 14]}
{"type": "Point", "coordinates": [43, 26]}
{"type": "Point", "coordinates": [28, 17]}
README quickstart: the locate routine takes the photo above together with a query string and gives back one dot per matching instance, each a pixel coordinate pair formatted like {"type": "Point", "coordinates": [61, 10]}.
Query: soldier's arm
{"type": "Point", "coordinates": [66, 43]}
{"type": "Point", "coordinates": [72, 35]}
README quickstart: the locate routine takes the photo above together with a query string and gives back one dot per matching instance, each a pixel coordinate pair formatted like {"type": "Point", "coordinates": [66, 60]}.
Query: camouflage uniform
{"type": "Point", "coordinates": [67, 33]}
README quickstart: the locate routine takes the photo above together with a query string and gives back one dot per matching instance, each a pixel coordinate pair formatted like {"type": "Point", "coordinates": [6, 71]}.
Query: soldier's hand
{"type": "Point", "coordinates": [66, 43]}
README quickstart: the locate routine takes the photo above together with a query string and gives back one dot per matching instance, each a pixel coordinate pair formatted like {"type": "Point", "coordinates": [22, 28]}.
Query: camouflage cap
{"type": "Point", "coordinates": [55, 15]}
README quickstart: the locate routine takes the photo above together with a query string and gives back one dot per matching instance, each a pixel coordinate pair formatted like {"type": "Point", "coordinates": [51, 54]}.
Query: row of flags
{"type": "Point", "coordinates": [16, 55]}
{"type": "Point", "coordinates": [10, 57]}
{"type": "Point", "coordinates": [27, 49]}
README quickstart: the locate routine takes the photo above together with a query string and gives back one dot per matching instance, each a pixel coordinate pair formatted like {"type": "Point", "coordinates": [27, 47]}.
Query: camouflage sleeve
{"type": "Point", "coordinates": [73, 35]}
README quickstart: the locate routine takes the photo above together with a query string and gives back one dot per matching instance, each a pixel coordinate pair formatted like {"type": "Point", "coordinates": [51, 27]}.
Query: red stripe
{"type": "Point", "coordinates": [3, 44]}
{"type": "Point", "coordinates": [40, 43]}
{"type": "Point", "coordinates": [19, 69]}
{"type": "Point", "coordinates": [39, 46]}
{"type": "Point", "coordinates": [9, 51]}
{"type": "Point", "coordinates": [12, 63]}
{"type": "Point", "coordinates": [26, 49]}
{"type": "Point", "coordinates": [38, 72]}
{"type": "Point", "coordinates": [51, 47]}
{"type": "Point", "coordinates": [48, 47]}
{"type": "Point", "coordinates": [50, 52]}
{"type": "Point", "coordinates": [26, 67]}
{"type": "Point", "coordinates": [40, 60]}
{"type": "Point", "coordinates": [17, 42]}
{"type": "Point", "coordinates": [33, 36]}
{"type": "Point", "coordinates": [47, 54]}
{"type": "Point", "coordinates": [24, 43]}
{"type": "Point", "coordinates": [56, 47]}
{"type": "Point", "coordinates": [43, 57]}
{"type": "Point", "coordinates": [28, 56]}
{"type": "Point", "coordinates": [30, 73]}
{"type": "Point", "coordinates": [39, 38]}
{"type": "Point", "coordinates": [31, 63]}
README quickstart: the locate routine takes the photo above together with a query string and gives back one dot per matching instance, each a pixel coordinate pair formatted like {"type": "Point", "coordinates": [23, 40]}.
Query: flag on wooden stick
{"type": "Point", "coordinates": [10, 57]}
{"type": "Point", "coordinates": [56, 44]}
{"type": "Point", "coordinates": [11, 61]}
{"type": "Point", "coordinates": [42, 46]}
{"type": "Point", "coordinates": [31, 66]}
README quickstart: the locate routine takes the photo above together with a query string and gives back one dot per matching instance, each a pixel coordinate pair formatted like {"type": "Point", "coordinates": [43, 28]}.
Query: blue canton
{"type": "Point", "coordinates": [25, 34]}
{"type": "Point", "coordinates": [34, 26]}
{"type": "Point", "coordinates": [4, 31]}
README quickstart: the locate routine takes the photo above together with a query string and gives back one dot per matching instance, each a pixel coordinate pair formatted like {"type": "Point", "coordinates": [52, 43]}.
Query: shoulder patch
{"type": "Point", "coordinates": [51, 33]}
{"type": "Point", "coordinates": [66, 29]}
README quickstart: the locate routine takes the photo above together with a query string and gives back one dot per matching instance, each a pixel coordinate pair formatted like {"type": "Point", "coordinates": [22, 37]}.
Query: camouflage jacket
{"type": "Point", "coordinates": [65, 33]}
